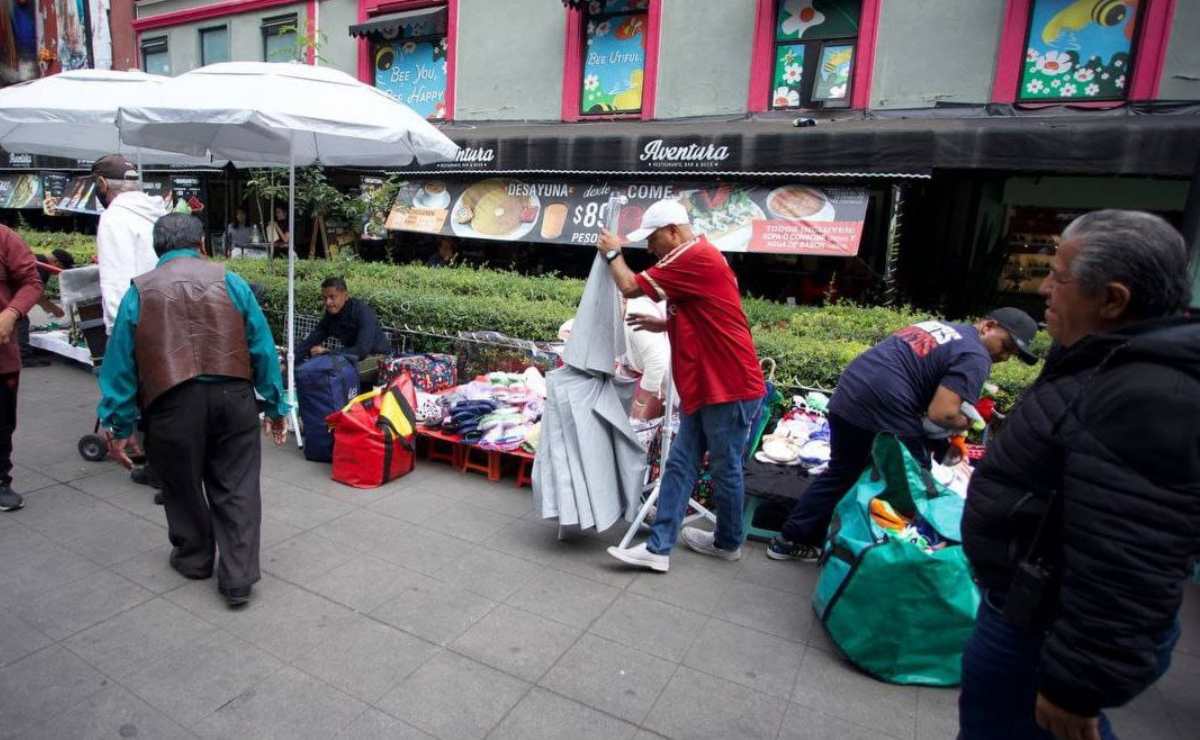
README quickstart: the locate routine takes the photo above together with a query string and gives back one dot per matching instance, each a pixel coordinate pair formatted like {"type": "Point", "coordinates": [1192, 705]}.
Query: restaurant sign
{"type": "Point", "coordinates": [778, 219]}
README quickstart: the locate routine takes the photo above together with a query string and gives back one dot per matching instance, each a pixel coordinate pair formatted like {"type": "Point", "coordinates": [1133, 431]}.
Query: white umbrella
{"type": "Point", "coordinates": [283, 114]}
{"type": "Point", "coordinates": [74, 115]}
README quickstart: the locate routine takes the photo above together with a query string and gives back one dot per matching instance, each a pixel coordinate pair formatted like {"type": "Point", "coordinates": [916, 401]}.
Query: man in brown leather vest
{"type": "Point", "coordinates": [189, 347]}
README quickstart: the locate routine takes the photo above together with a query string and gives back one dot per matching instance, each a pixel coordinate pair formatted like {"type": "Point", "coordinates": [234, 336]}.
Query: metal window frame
{"type": "Point", "coordinates": [813, 50]}
{"type": "Point", "coordinates": [228, 42]}
{"type": "Point", "coordinates": [1134, 50]}
{"type": "Point", "coordinates": [600, 17]}
{"type": "Point", "coordinates": [274, 26]}
{"type": "Point", "coordinates": [154, 45]}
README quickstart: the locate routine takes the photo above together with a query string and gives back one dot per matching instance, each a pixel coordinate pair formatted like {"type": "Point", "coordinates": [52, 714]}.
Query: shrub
{"type": "Point", "coordinates": [811, 346]}
{"type": "Point", "coordinates": [81, 246]}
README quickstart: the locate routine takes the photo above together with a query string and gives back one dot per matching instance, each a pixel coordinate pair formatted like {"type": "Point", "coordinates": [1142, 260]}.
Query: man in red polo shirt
{"type": "Point", "coordinates": [716, 374]}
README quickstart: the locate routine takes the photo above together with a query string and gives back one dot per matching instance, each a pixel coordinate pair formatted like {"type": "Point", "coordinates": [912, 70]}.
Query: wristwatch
{"type": "Point", "coordinates": [611, 255]}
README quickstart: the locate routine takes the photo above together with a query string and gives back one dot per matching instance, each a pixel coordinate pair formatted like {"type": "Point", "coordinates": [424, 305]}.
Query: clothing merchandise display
{"type": "Point", "coordinates": [713, 360]}
{"type": "Point", "coordinates": [889, 387]}
{"type": "Point", "coordinates": [800, 438]}
{"type": "Point", "coordinates": [499, 411]}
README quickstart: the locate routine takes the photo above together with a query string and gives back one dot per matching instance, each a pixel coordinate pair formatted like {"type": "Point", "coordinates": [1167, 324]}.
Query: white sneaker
{"type": "Point", "coordinates": [642, 558]}
{"type": "Point", "coordinates": [702, 542]}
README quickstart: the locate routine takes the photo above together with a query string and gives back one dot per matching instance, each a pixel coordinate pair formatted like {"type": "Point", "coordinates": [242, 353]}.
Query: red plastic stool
{"type": "Point", "coordinates": [490, 465]}
{"type": "Point", "coordinates": [524, 468]}
{"type": "Point", "coordinates": [442, 447]}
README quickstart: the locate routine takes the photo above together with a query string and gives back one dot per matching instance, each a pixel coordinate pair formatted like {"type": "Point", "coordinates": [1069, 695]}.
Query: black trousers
{"type": "Point", "coordinates": [850, 452]}
{"type": "Point", "coordinates": [9, 383]}
{"type": "Point", "coordinates": [203, 442]}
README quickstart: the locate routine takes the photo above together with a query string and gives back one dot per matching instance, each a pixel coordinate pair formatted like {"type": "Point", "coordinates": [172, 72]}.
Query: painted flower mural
{"type": "Point", "coordinates": [785, 97]}
{"type": "Point", "coordinates": [1054, 63]}
{"type": "Point", "coordinates": [1069, 44]}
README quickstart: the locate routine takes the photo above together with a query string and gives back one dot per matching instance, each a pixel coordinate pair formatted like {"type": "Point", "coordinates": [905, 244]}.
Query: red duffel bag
{"type": "Point", "coordinates": [374, 436]}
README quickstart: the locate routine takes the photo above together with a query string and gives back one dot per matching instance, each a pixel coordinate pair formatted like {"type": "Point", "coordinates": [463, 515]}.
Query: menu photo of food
{"type": "Point", "coordinates": [420, 206]}
{"type": "Point", "coordinates": [25, 191]}
{"type": "Point", "coordinates": [725, 214]}
{"type": "Point", "coordinates": [500, 208]}
{"type": "Point", "coordinates": [799, 203]}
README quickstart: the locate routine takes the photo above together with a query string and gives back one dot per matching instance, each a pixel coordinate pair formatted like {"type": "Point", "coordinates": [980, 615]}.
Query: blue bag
{"type": "Point", "coordinates": [324, 384]}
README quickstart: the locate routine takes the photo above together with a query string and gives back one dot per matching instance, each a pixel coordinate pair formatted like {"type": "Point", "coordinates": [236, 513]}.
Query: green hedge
{"type": "Point", "coordinates": [81, 246]}
{"type": "Point", "coordinates": [811, 346]}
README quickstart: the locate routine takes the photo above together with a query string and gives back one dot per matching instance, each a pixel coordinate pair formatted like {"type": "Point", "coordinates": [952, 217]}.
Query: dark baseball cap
{"type": "Point", "coordinates": [115, 167]}
{"type": "Point", "coordinates": [1021, 327]}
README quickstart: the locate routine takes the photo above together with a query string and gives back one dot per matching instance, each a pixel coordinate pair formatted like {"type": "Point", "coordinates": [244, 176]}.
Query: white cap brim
{"type": "Point", "coordinates": [640, 234]}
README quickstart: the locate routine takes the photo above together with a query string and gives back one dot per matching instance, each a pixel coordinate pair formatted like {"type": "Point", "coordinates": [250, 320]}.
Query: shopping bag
{"type": "Point", "coordinates": [895, 608]}
{"type": "Point", "coordinates": [374, 436]}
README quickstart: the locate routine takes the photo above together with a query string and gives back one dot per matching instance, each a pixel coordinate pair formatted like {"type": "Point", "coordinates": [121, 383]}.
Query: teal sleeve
{"type": "Point", "coordinates": [263, 358]}
{"type": "Point", "coordinates": [118, 374]}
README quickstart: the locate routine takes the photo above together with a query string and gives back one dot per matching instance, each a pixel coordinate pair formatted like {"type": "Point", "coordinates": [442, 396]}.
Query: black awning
{"type": "Point", "coordinates": [1161, 145]}
{"type": "Point", "coordinates": [423, 22]}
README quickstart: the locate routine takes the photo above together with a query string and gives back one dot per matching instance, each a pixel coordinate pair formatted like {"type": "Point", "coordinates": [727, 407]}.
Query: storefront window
{"type": "Point", "coordinates": [214, 45]}
{"type": "Point", "coordinates": [412, 66]}
{"type": "Point", "coordinates": [814, 52]}
{"type": "Point", "coordinates": [155, 59]}
{"type": "Point", "coordinates": [1078, 50]}
{"type": "Point", "coordinates": [614, 57]}
{"type": "Point", "coordinates": [279, 39]}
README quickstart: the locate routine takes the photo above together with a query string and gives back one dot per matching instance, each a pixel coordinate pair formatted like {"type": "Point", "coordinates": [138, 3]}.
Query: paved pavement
{"type": "Point", "coordinates": [438, 605]}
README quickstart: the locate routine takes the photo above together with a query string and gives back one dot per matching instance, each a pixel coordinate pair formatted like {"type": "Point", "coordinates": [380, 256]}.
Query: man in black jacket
{"type": "Point", "coordinates": [1082, 523]}
{"type": "Point", "coordinates": [349, 320]}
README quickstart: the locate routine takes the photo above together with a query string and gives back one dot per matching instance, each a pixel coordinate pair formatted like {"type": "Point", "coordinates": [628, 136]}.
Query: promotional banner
{"type": "Point", "coordinates": [780, 219]}
{"type": "Point", "coordinates": [78, 197]}
{"type": "Point", "coordinates": [20, 191]}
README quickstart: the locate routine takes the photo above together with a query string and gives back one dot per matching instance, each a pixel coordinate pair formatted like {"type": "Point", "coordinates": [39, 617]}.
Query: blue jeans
{"type": "Point", "coordinates": [999, 679]}
{"type": "Point", "coordinates": [722, 431]}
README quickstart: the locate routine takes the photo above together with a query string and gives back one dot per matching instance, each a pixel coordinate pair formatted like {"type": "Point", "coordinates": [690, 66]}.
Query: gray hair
{"type": "Point", "coordinates": [116, 187]}
{"type": "Point", "coordinates": [177, 231]}
{"type": "Point", "coordinates": [1138, 250]}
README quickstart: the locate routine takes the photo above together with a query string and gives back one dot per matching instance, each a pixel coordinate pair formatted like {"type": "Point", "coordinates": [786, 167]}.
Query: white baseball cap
{"type": "Point", "coordinates": [663, 213]}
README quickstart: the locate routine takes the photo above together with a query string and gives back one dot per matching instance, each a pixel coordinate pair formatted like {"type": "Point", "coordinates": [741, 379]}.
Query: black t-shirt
{"type": "Point", "coordinates": [889, 387]}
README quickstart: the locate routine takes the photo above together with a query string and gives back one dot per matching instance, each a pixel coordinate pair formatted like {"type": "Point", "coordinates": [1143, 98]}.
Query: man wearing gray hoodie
{"type": "Point", "coordinates": [124, 246]}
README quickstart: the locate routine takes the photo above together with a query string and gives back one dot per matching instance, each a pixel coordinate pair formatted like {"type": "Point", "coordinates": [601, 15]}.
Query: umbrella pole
{"type": "Point", "coordinates": [291, 309]}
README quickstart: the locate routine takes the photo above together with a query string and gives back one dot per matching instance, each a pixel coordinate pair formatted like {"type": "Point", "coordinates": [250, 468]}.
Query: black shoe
{"type": "Point", "coordinates": [781, 549]}
{"type": "Point", "coordinates": [236, 597]}
{"type": "Point", "coordinates": [188, 574]}
{"type": "Point", "coordinates": [144, 476]}
{"type": "Point", "coordinates": [10, 500]}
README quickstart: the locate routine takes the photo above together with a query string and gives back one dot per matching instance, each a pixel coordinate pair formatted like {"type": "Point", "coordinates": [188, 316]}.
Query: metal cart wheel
{"type": "Point", "coordinates": [93, 447]}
